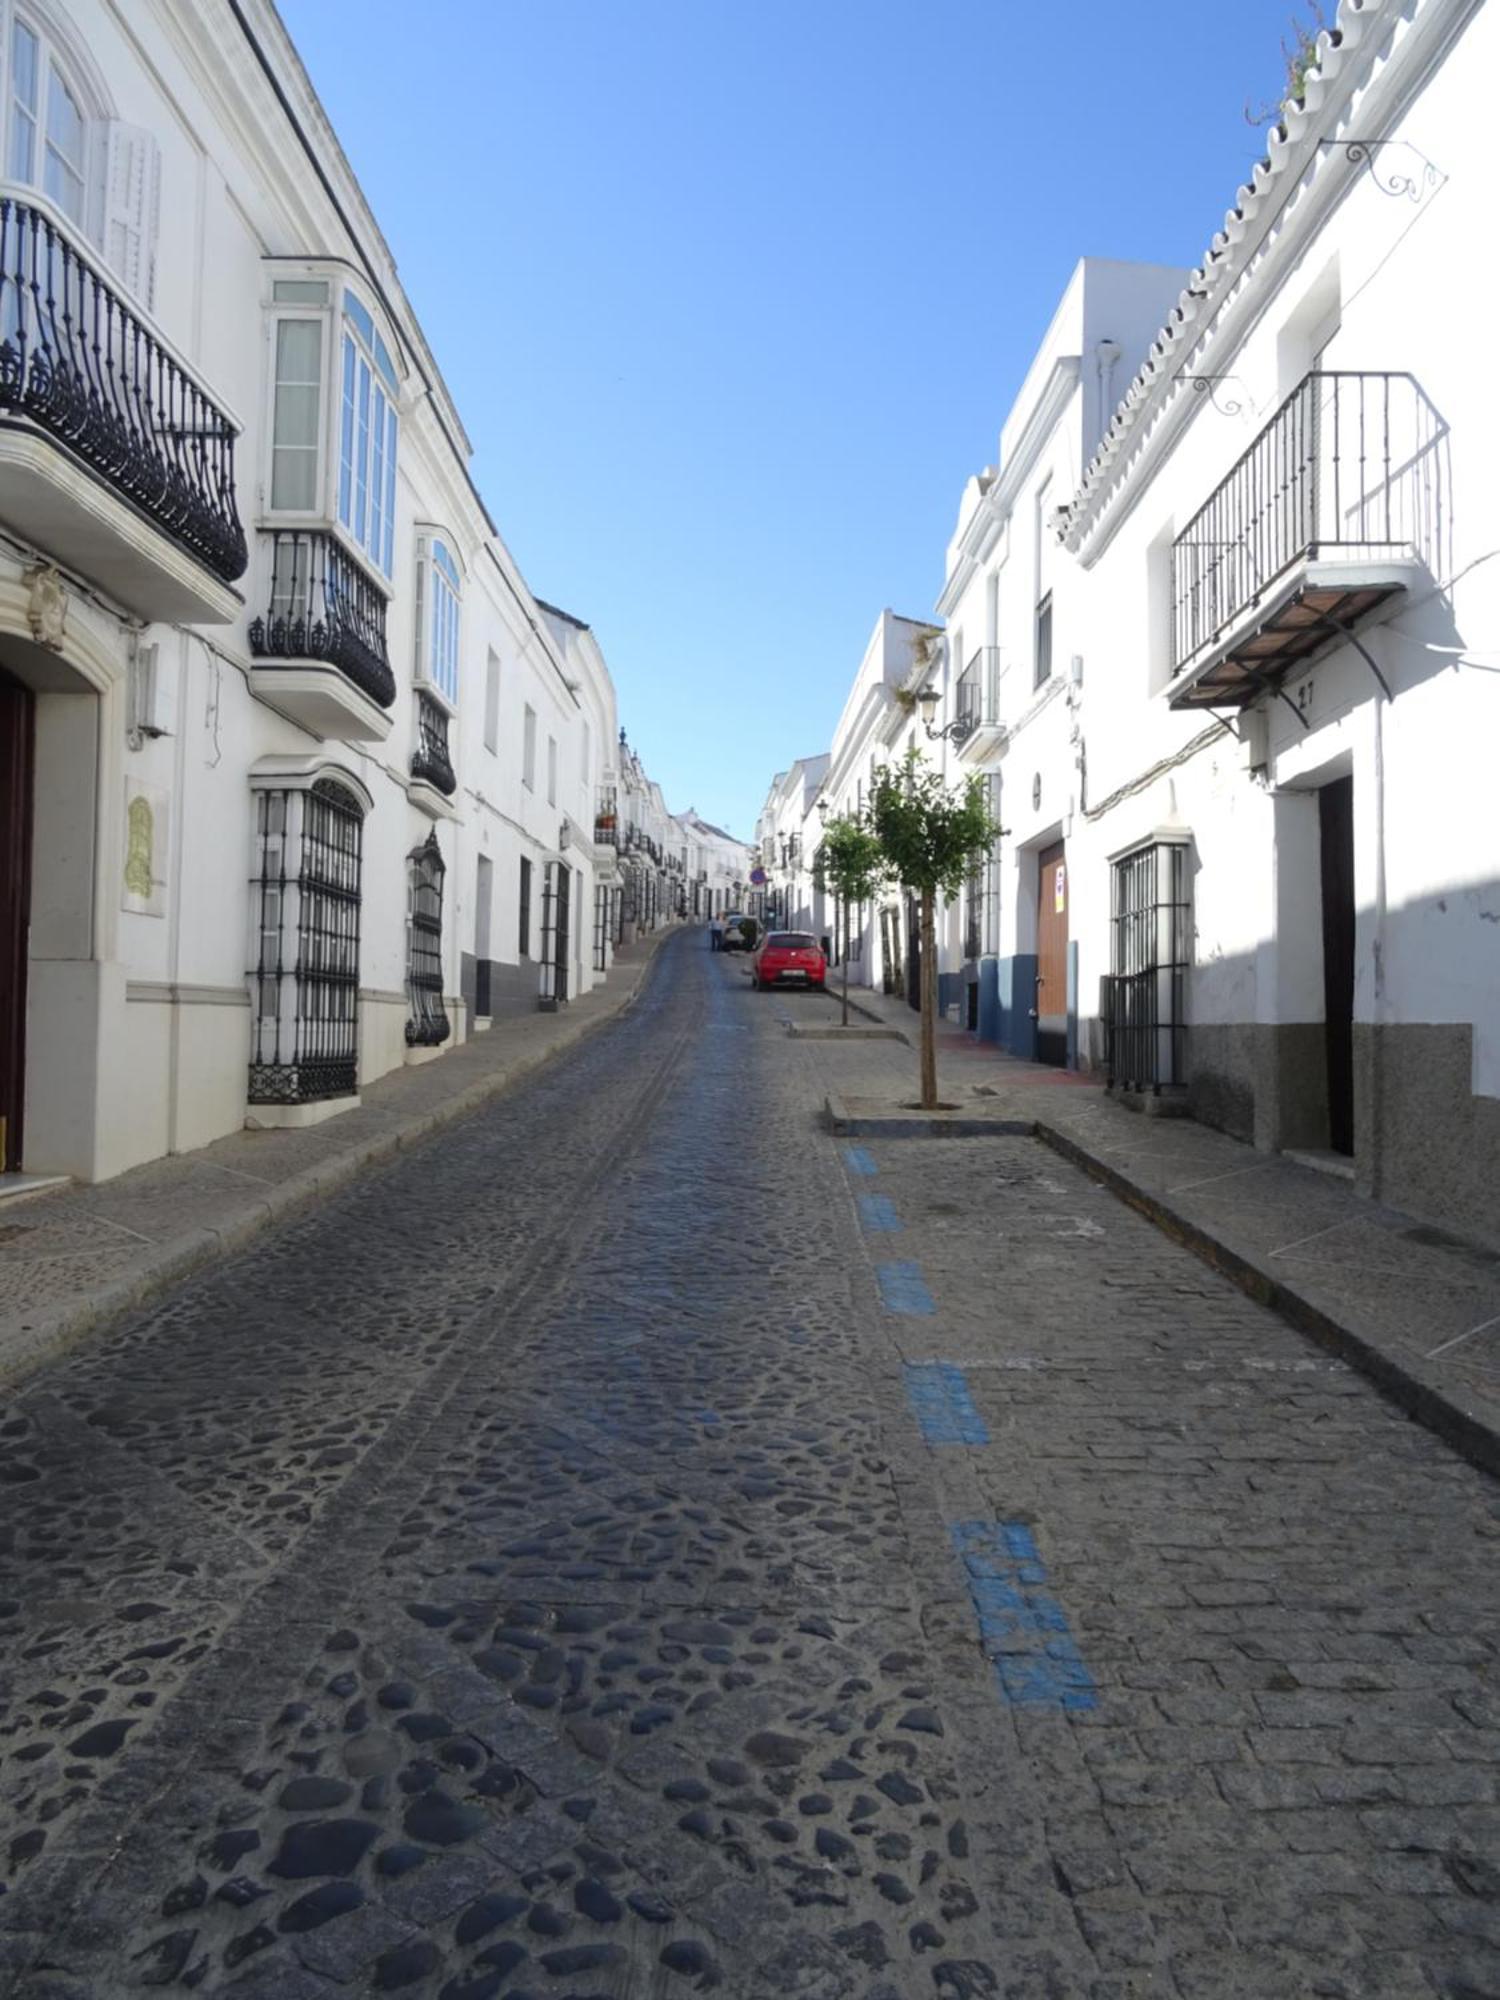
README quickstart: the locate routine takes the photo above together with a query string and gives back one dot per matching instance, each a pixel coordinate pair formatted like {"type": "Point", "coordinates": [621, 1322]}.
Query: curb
{"type": "Point", "coordinates": [53, 1331]}
{"type": "Point", "coordinates": [1428, 1403]}
{"type": "Point", "coordinates": [895, 1123]}
{"type": "Point", "coordinates": [800, 1033]}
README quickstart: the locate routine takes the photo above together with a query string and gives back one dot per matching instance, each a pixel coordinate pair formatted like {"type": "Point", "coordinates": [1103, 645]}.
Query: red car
{"type": "Point", "coordinates": [794, 956]}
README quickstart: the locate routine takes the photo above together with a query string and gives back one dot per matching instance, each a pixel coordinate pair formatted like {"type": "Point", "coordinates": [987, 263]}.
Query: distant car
{"type": "Point", "coordinates": [739, 932]}
{"type": "Point", "coordinates": [793, 956]}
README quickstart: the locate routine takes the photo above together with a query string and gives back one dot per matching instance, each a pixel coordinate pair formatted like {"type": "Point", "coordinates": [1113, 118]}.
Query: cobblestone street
{"type": "Point", "coordinates": [640, 1544]}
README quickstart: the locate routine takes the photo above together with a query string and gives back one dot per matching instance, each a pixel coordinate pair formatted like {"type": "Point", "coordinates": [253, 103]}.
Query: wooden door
{"type": "Point", "coordinates": [1336, 826]}
{"type": "Point", "coordinates": [1052, 956]}
{"type": "Point", "coordinates": [16, 738]}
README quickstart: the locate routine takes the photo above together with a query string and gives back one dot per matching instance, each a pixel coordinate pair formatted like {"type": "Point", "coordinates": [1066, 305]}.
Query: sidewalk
{"type": "Point", "coordinates": [1414, 1307]}
{"type": "Point", "coordinates": [72, 1258]}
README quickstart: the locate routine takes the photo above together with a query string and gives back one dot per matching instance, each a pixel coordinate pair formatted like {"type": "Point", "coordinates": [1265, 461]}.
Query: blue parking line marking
{"type": "Point", "coordinates": [860, 1161]}
{"type": "Point", "coordinates": [878, 1212]}
{"type": "Point", "coordinates": [1022, 1629]}
{"type": "Point", "coordinates": [903, 1289]}
{"type": "Point", "coordinates": [942, 1405]}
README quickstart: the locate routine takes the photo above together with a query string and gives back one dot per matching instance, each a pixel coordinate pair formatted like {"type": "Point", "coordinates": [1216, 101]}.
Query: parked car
{"type": "Point", "coordinates": [739, 932]}
{"type": "Point", "coordinates": [793, 956]}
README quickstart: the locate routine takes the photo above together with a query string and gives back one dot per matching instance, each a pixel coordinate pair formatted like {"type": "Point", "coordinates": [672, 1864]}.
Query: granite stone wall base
{"type": "Point", "coordinates": [1422, 1139]}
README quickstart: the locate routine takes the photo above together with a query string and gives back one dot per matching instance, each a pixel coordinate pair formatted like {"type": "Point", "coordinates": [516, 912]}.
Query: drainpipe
{"type": "Point", "coordinates": [1106, 354]}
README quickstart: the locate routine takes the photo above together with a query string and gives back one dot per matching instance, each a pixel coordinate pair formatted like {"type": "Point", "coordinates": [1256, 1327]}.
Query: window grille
{"type": "Point", "coordinates": [974, 907]}
{"type": "Point", "coordinates": [1145, 1005]}
{"type": "Point", "coordinates": [427, 1024]}
{"type": "Point", "coordinates": [1043, 640]}
{"type": "Point", "coordinates": [304, 1035]}
{"type": "Point", "coordinates": [601, 927]}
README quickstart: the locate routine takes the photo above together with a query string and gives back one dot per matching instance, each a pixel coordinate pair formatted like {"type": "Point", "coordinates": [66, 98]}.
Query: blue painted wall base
{"type": "Point", "coordinates": [989, 1000]}
{"type": "Point", "coordinates": [1016, 982]}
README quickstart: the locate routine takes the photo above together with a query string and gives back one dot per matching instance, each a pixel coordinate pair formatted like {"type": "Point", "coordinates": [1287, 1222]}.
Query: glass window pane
{"type": "Point", "coordinates": [63, 185]}
{"type": "Point", "coordinates": [22, 144]}
{"type": "Point", "coordinates": [300, 291]}
{"type": "Point", "coordinates": [24, 60]}
{"type": "Point", "coordinates": [64, 120]}
{"type": "Point", "coordinates": [299, 351]}
{"type": "Point", "coordinates": [390, 493]}
{"type": "Point", "coordinates": [346, 440]}
{"type": "Point", "coordinates": [362, 455]}
{"type": "Point", "coordinates": [359, 315]}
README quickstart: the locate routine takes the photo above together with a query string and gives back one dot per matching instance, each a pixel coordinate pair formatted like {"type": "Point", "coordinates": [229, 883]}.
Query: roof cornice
{"type": "Point", "coordinates": [988, 520]}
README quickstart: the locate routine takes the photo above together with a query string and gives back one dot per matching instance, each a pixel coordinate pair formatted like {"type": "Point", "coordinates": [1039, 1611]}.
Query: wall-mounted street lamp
{"type": "Point", "coordinates": [928, 701]}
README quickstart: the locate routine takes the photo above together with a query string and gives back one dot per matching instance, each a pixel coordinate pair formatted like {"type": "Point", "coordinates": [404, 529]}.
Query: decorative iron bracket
{"type": "Point", "coordinates": [1208, 385]}
{"type": "Point", "coordinates": [1413, 187]}
{"type": "Point", "coordinates": [1348, 633]}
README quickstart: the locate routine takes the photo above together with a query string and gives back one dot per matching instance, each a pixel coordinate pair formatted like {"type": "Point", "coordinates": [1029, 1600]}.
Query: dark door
{"type": "Point", "coordinates": [16, 736]}
{"type": "Point", "coordinates": [560, 955]}
{"type": "Point", "coordinates": [1336, 826]}
{"type": "Point", "coordinates": [914, 953]}
{"type": "Point", "coordinates": [1052, 956]}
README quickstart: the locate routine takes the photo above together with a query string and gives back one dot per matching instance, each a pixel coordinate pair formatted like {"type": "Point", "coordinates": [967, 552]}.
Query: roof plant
{"type": "Point", "coordinates": [853, 866]}
{"type": "Point", "coordinates": [929, 834]}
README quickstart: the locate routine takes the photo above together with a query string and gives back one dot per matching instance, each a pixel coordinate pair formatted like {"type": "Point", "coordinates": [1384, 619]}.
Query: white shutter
{"type": "Point", "coordinates": [132, 204]}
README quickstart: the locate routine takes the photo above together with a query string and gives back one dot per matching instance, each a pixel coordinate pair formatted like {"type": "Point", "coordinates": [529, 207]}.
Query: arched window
{"type": "Point", "coordinates": [427, 1025]}
{"type": "Point", "coordinates": [58, 135]}
{"type": "Point", "coordinates": [47, 143]}
{"type": "Point", "coordinates": [306, 898]}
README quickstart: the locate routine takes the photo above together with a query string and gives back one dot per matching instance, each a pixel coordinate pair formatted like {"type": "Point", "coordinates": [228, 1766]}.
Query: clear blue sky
{"type": "Point", "coordinates": [732, 298]}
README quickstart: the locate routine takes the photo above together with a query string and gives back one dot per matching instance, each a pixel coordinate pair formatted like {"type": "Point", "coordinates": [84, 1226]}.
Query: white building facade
{"type": "Point", "coordinates": [1222, 628]}
{"type": "Point", "coordinates": [298, 781]}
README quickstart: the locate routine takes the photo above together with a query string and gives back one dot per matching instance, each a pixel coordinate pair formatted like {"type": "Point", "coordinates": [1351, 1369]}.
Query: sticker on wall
{"type": "Point", "coordinates": [1060, 890]}
{"type": "Point", "coordinates": [144, 882]}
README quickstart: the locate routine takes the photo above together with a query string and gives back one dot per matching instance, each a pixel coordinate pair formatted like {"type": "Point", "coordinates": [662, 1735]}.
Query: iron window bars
{"type": "Point", "coordinates": [606, 817]}
{"type": "Point", "coordinates": [556, 889]}
{"type": "Point", "coordinates": [430, 760]}
{"type": "Point", "coordinates": [427, 1025]}
{"type": "Point", "coordinates": [305, 1024]}
{"type": "Point", "coordinates": [78, 362]}
{"type": "Point", "coordinates": [1151, 946]}
{"type": "Point", "coordinates": [1343, 464]}
{"type": "Point", "coordinates": [601, 926]}
{"type": "Point", "coordinates": [324, 607]}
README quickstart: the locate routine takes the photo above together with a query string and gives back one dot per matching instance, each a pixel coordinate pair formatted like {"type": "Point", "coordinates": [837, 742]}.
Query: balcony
{"type": "Point", "coordinates": [319, 651]}
{"type": "Point", "coordinates": [606, 817]}
{"type": "Point", "coordinates": [433, 780]}
{"type": "Point", "coordinates": [976, 704]}
{"type": "Point", "coordinates": [113, 457]}
{"type": "Point", "coordinates": [1324, 522]}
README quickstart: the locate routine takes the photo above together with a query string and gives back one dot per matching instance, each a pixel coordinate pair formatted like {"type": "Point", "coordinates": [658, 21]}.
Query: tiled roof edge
{"type": "Point", "coordinates": [1221, 267]}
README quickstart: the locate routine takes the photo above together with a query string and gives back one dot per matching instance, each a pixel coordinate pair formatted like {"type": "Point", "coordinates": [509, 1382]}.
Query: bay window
{"type": "Point", "coordinates": [439, 590]}
{"type": "Point", "coordinates": [367, 435]}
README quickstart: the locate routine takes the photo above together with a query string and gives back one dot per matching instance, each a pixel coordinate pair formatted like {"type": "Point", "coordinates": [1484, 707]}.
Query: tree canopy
{"type": "Point", "coordinates": [928, 833]}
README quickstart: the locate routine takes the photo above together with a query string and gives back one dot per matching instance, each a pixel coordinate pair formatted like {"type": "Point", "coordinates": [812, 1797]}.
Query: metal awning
{"type": "Point", "coordinates": [1315, 607]}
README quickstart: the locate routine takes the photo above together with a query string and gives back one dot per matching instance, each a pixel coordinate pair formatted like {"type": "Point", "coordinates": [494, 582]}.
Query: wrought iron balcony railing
{"type": "Point", "coordinates": [976, 697]}
{"type": "Point", "coordinates": [323, 607]}
{"type": "Point", "coordinates": [430, 760]}
{"type": "Point", "coordinates": [85, 369]}
{"type": "Point", "coordinates": [1343, 470]}
{"type": "Point", "coordinates": [606, 817]}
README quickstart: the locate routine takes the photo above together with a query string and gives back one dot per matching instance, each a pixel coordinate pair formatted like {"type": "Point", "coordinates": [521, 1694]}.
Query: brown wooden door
{"type": "Point", "coordinates": [1052, 956]}
{"type": "Point", "coordinates": [1336, 825]}
{"type": "Point", "coordinates": [16, 735]}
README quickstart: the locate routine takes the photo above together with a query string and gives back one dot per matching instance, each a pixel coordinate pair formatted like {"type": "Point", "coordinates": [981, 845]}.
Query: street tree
{"type": "Point", "coordinates": [929, 834]}
{"type": "Point", "coordinates": [853, 866]}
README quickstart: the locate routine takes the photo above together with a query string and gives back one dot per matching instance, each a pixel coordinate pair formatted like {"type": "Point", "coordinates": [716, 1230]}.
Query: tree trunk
{"type": "Point", "coordinates": [846, 962]}
{"type": "Point", "coordinates": [929, 1006]}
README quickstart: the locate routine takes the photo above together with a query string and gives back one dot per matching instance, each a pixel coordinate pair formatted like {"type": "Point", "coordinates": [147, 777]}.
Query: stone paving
{"type": "Point", "coordinates": [639, 1545]}
{"type": "Point", "coordinates": [74, 1257]}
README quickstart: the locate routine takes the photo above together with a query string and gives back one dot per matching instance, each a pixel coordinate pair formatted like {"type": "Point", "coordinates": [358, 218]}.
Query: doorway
{"type": "Point", "coordinates": [1336, 842]}
{"type": "Point", "coordinates": [17, 740]}
{"type": "Point", "coordinates": [914, 953]}
{"type": "Point", "coordinates": [1052, 956]}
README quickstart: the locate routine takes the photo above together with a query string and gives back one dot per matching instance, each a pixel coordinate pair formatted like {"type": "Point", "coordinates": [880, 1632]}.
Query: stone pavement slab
{"type": "Point", "coordinates": [74, 1257]}
{"type": "Point", "coordinates": [1414, 1306]}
